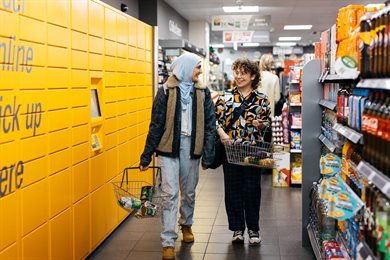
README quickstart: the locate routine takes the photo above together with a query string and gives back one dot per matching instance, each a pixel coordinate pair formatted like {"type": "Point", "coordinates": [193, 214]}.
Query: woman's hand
{"type": "Point", "coordinates": [223, 136]}
{"type": "Point", "coordinates": [258, 124]}
{"type": "Point", "coordinates": [143, 168]}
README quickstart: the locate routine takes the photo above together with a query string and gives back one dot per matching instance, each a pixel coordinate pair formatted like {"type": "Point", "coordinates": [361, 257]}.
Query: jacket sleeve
{"type": "Point", "coordinates": [209, 130]}
{"type": "Point", "coordinates": [156, 127]}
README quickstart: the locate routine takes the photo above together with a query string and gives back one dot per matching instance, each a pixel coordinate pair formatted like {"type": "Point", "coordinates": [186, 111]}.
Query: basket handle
{"type": "Point", "coordinates": [125, 172]}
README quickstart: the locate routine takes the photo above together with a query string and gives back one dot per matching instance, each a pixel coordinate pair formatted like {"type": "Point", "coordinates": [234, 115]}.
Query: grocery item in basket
{"type": "Point", "coordinates": [147, 209]}
{"type": "Point", "coordinates": [268, 163]}
{"type": "Point", "coordinates": [130, 203]}
{"type": "Point", "coordinates": [147, 193]}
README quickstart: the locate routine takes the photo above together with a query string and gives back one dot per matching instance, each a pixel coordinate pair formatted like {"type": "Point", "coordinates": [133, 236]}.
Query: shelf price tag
{"type": "Point", "coordinates": [372, 174]}
{"type": "Point", "coordinates": [347, 132]}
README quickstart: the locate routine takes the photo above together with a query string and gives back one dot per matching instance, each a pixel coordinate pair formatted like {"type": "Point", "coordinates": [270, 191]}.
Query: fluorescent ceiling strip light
{"type": "Point", "coordinates": [298, 27]}
{"type": "Point", "coordinates": [217, 45]}
{"type": "Point", "coordinates": [251, 44]}
{"type": "Point", "coordinates": [286, 43]}
{"type": "Point", "coordinates": [290, 38]}
{"type": "Point", "coordinates": [241, 9]}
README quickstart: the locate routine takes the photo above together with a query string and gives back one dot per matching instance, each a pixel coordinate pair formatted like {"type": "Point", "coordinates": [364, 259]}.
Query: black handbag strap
{"type": "Point", "coordinates": [240, 110]}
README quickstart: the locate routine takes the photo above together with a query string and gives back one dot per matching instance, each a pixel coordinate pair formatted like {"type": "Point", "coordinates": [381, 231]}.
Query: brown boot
{"type": "Point", "coordinates": [168, 253]}
{"type": "Point", "coordinates": [188, 236]}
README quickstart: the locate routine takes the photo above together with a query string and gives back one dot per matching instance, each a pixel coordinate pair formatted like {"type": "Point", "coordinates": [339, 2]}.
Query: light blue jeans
{"type": "Point", "coordinates": [183, 173]}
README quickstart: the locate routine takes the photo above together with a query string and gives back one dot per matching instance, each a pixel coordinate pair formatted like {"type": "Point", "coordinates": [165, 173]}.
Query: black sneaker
{"type": "Point", "coordinates": [254, 237]}
{"type": "Point", "coordinates": [238, 237]}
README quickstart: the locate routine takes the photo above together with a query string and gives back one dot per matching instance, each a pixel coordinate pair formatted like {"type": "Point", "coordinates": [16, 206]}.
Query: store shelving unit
{"type": "Point", "coordinates": [341, 241]}
{"type": "Point", "coordinates": [314, 242]}
{"type": "Point", "coordinates": [311, 123]}
{"type": "Point", "coordinates": [365, 252]}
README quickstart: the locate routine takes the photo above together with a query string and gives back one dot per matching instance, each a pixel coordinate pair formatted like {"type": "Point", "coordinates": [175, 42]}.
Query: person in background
{"type": "Point", "coordinates": [181, 131]}
{"type": "Point", "coordinates": [269, 82]}
{"type": "Point", "coordinates": [242, 183]}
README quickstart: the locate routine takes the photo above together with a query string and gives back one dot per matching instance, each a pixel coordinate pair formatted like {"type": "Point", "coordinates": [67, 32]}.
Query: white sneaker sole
{"type": "Point", "coordinates": [254, 242]}
{"type": "Point", "coordinates": [238, 240]}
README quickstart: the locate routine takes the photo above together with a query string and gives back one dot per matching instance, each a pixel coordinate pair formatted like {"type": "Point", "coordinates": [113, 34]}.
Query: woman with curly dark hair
{"type": "Point", "coordinates": [242, 183]}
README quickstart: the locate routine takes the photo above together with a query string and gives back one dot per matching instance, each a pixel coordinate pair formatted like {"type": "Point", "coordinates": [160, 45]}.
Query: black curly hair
{"type": "Point", "coordinates": [248, 66]}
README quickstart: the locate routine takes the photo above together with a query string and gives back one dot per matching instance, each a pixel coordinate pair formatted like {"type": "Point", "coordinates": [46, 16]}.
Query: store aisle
{"type": "Point", "coordinates": [280, 229]}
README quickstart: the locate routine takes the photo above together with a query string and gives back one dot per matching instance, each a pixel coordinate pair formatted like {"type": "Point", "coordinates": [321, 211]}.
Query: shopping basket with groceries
{"type": "Point", "coordinates": [139, 196]}
{"type": "Point", "coordinates": [252, 153]}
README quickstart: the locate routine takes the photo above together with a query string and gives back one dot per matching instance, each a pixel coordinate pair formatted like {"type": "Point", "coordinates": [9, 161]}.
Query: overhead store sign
{"type": "Point", "coordinates": [173, 27]}
{"type": "Point", "coordinates": [240, 22]}
{"type": "Point", "coordinates": [237, 36]}
{"type": "Point", "coordinates": [230, 22]}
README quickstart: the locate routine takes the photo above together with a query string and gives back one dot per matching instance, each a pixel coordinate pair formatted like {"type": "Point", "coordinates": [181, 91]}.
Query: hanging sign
{"type": "Point", "coordinates": [237, 36]}
{"type": "Point", "coordinates": [230, 22]}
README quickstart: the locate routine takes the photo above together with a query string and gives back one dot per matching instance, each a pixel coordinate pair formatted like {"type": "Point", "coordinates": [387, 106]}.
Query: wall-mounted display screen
{"type": "Point", "coordinates": [95, 108]}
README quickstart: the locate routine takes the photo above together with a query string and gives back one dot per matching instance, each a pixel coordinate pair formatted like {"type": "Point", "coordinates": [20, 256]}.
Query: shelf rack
{"type": "Point", "coordinates": [378, 178]}
{"type": "Point", "coordinates": [348, 133]}
{"type": "Point", "coordinates": [327, 143]}
{"type": "Point", "coordinates": [328, 104]}
{"type": "Point", "coordinates": [374, 83]}
{"type": "Point", "coordinates": [314, 242]}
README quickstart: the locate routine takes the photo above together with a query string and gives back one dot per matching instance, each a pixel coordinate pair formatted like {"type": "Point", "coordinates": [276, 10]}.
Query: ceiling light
{"type": "Point", "coordinates": [241, 9]}
{"type": "Point", "coordinates": [286, 43]}
{"type": "Point", "coordinates": [217, 45]}
{"type": "Point", "coordinates": [290, 38]}
{"type": "Point", "coordinates": [298, 27]}
{"type": "Point", "coordinates": [251, 44]}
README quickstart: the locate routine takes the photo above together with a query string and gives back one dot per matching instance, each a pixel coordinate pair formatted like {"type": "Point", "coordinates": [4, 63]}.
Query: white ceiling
{"type": "Point", "coordinates": [320, 13]}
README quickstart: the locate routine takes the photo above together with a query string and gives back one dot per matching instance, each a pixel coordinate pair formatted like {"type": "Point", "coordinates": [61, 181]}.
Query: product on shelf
{"type": "Point", "coordinates": [295, 98]}
{"type": "Point", "coordinates": [295, 139]}
{"type": "Point", "coordinates": [296, 169]}
{"type": "Point", "coordinates": [277, 130]}
{"type": "Point", "coordinates": [281, 172]}
{"type": "Point", "coordinates": [296, 120]}
{"type": "Point", "coordinates": [286, 134]}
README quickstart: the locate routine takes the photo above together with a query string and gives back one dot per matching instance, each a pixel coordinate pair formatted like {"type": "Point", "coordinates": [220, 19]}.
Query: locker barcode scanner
{"type": "Point", "coordinates": [96, 114]}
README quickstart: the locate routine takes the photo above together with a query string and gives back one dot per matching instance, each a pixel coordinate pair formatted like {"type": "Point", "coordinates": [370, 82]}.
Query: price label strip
{"type": "Point", "coordinates": [372, 174]}
{"type": "Point", "coordinates": [327, 143]}
{"type": "Point", "coordinates": [347, 132]}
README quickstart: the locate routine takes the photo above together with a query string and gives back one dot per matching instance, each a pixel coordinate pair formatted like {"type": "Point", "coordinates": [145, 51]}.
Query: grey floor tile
{"type": "Point", "coordinates": [197, 247]}
{"type": "Point", "coordinates": [202, 237]}
{"type": "Point", "coordinates": [144, 255]}
{"type": "Point", "coordinates": [221, 229]}
{"type": "Point", "coordinates": [110, 255]}
{"type": "Point", "coordinates": [202, 229]}
{"type": "Point", "coordinates": [203, 221]}
{"type": "Point", "coordinates": [151, 236]}
{"type": "Point", "coordinates": [148, 246]}
{"type": "Point", "coordinates": [238, 257]}
{"type": "Point", "coordinates": [225, 248]}
{"type": "Point", "coordinates": [221, 238]}
{"type": "Point", "coordinates": [189, 256]}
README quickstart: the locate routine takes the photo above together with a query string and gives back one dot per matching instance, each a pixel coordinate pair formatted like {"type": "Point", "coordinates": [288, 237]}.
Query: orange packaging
{"type": "Point", "coordinates": [348, 19]}
{"type": "Point", "coordinates": [317, 50]}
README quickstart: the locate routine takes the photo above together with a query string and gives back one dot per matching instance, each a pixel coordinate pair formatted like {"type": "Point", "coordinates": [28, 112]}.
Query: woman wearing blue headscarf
{"type": "Point", "coordinates": [181, 131]}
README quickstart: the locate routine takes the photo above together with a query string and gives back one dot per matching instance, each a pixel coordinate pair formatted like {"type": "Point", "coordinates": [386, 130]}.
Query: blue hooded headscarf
{"type": "Point", "coordinates": [183, 68]}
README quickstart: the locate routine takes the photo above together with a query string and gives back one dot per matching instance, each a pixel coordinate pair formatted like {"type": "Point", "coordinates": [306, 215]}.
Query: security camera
{"type": "Point", "coordinates": [124, 8]}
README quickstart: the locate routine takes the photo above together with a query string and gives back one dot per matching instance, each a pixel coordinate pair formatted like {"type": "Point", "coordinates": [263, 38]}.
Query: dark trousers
{"type": "Point", "coordinates": [242, 196]}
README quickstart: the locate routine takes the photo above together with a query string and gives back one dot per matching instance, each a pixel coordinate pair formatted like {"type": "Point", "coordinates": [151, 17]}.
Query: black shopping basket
{"type": "Point", "coordinates": [138, 195]}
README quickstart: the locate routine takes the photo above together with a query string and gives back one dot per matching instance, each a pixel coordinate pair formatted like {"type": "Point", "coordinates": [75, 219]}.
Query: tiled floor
{"type": "Point", "coordinates": [280, 223]}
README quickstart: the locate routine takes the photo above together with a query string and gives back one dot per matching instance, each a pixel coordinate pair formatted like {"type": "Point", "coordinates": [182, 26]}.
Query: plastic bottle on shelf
{"type": "Point", "coordinates": [365, 40]}
{"type": "Point", "coordinates": [372, 47]}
